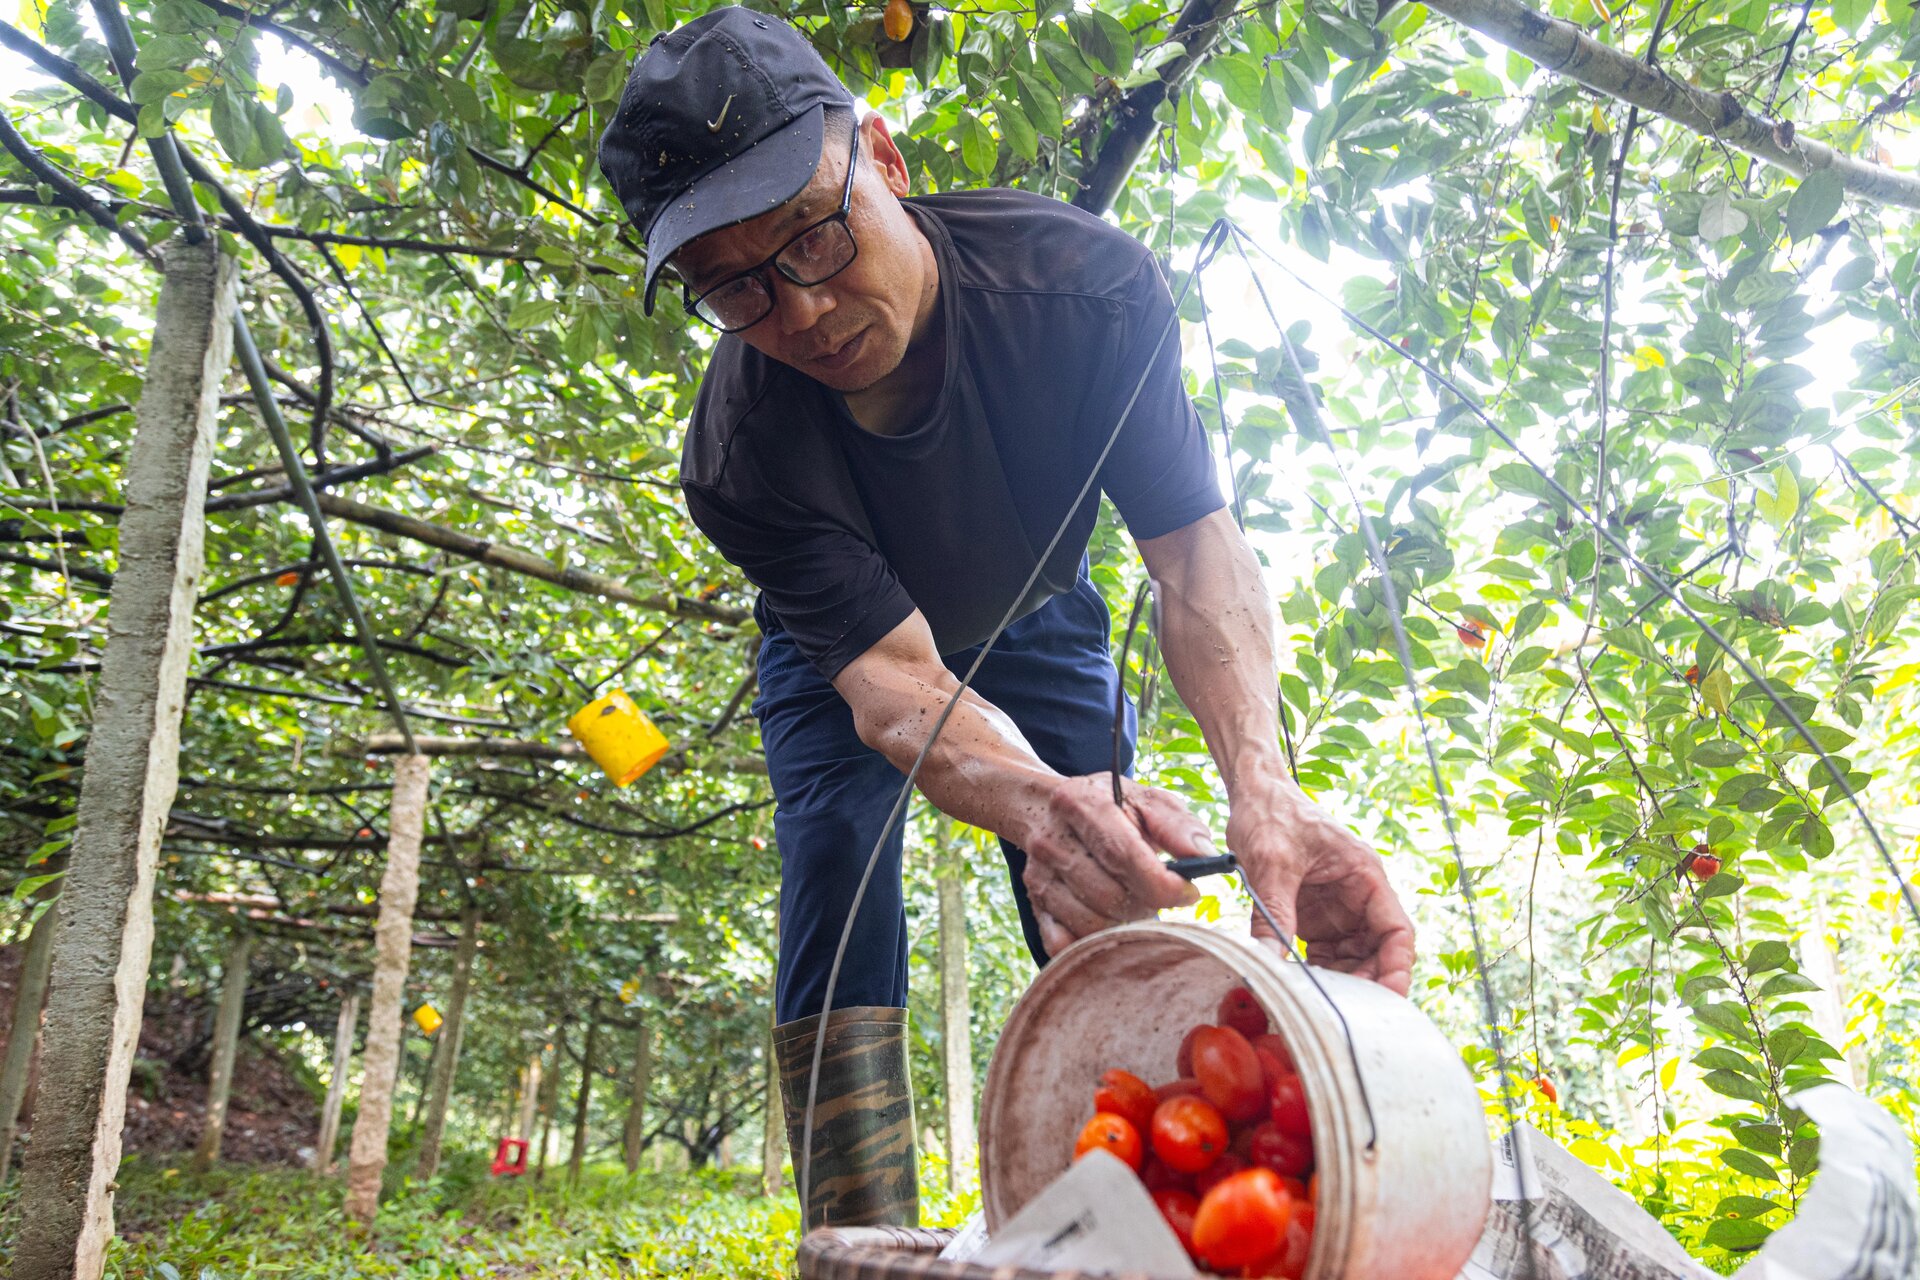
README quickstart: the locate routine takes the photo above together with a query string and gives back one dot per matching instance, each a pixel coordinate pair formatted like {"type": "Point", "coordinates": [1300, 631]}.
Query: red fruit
{"type": "Point", "coordinates": [1547, 1089]}
{"type": "Point", "coordinates": [1289, 1101]}
{"type": "Point", "coordinates": [1219, 1171]}
{"type": "Point", "coordinates": [1111, 1133]}
{"type": "Point", "coordinates": [1703, 867]}
{"type": "Point", "coordinates": [1188, 1133]}
{"type": "Point", "coordinates": [758, 842]}
{"type": "Point", "coordinates": [1290, 1263]}
{"type": "Point", "coordinates": [1693, 674]}
{"type": "Point", "coordinates": [1229, 1073]}
{"type": "Point", "coordinates": [1183, 1060]}
{"type": "Point", "coordinates": [1156, 1176]}
{"type": "Point", "coordinates": [1124, 1094]}
{"type": "Point", "coordinates": [1242, 1221]}
{"type": "Point", "coordinates": [1239, 1010]}
{"type": "Point", "coordinates": [1275, 1047]}
{"type": "Point", "coordinates": [1178, 1208]}
{"type": "Point", "coordinates": [1284, 1153]}
{"type": "Point", "coordinates": [1184, 1087]}
{"type": "Point", "coordinates": [1472, 633]}
{"type": "Point", "coordinates": [290, 578]}
{"type": "Point", "coordinates": [363, 833]}
{"type": "Point", "coordinates": [897, 19]}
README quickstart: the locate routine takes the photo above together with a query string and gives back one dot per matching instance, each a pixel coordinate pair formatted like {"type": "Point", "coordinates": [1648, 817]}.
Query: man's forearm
{"type": "Point", "coordinates": [1217, 635]}
{"type": "Point", "coordinates": [981, 771]}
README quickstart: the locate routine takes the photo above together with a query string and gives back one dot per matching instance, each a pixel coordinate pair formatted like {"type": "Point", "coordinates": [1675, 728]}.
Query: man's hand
{"type": "Point", "coordinates": [1322, 883]}
{"type": "Point", "coordinates": [1092, 864]}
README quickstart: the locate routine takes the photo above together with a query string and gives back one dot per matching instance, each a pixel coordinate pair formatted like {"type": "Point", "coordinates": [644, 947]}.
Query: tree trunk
{"type": "Point", "coordinates": [773, 1141]}
{"type": "Point", "coordinates": [635, 1134]}
{"type": "Point", "coordinates": [392, 938]}
{"type": "Point", "coordinates": [24, 1031]}
{"type": "Point", "coordinates": [577, 1158]}
{"type": "Point", "coordinates": [105, 932]}
{"type": "Point", "coordinates": [226, 1043]}
{"type": "Point", "coordinates": [337, 1087]}
{"type": "Point", "coordinates": [529, 1100]}
{"type": "Point", "coordinates": [1564, 49]}
{"type": "Point", "coordinates": [447, 1062]}
{"type": "Point", "coordinates": [956, 1028]}
{"type": "Point", "coordinates": [550, 1098]}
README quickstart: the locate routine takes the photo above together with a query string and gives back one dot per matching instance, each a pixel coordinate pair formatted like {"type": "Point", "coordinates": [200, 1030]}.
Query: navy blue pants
{"type": "Point", "coordinates": [1051, 672]}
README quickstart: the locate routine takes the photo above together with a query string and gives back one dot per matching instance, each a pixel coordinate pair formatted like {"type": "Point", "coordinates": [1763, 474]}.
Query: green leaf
{"type": "Point", "coordinates": [1768, 955]}
{"type": "Point", "coordinates": [1787, 983]}
{"type": "Point", "coordinates": [1716, 690]}
{"type": "Point", "coordinates": [1331, 582]}
{"type": "Point", "coordinates": [1720, 1058]}
{"type": "Point", "coordinates": [1719, 219]}
{"type": "Point", "coordinates": [1017, 130]}
{"type": "Point", "coordinates": [1718, 753]}
{"type": "Point", "coordinates": [1729, 1084]}
{"type": "Point", "coordinates": [1786, 1044]}
{"type": "Point", "coordinates": [1748, 1163]}
{"type": "Point", "coordinates": [977, 147]}
{"type": "Point", "coordinates": [1778, 507]}
{"type": "Point", "coordinates": [1814, 201]}
{"type": "Point", "coordinates": [605, 77]}
{"type": "Point", "coordinates": [1745, 1207]}
{"type": "Point", "coordinates": [1737, 1234]}
{"type": "Point", "coordinates": [233, 127]}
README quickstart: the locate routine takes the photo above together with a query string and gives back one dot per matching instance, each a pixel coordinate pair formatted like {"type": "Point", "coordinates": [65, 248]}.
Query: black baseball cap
{"type": "Point", "coordinates": [722, 120]}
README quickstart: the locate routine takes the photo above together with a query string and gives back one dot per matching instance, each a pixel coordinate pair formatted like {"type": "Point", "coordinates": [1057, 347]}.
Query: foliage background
{"type": "Point", "coordinates": [1715, 359]}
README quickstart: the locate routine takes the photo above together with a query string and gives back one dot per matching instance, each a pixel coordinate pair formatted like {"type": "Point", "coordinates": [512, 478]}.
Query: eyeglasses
{"type": "Point", "coordinates": [815, 256]}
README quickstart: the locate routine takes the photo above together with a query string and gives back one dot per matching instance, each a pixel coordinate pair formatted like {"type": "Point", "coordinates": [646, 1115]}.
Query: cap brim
{"type": "Point", "coordinates": [758, 180]}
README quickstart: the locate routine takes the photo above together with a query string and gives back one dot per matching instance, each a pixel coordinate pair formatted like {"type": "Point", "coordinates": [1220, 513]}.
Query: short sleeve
{"type": "Point", "coordinates": [1161, 474]}
{"type": "Point", "coordinates": [830, 589]}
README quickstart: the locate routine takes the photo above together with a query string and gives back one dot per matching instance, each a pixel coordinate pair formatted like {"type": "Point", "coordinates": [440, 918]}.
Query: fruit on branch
{"type": "Point", "coordinates": [898, 20]}
{"type": "Point", "coordinates": [1472, 633]}
{"type": "Point", "coordinates": [1547, 1089]}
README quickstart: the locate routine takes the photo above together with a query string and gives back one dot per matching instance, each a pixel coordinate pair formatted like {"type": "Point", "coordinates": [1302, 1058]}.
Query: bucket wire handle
{"type": "Point", "coordinates": [1190, 869]}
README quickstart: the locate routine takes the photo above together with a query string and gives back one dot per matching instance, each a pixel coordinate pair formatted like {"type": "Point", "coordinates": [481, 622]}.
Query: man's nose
{"type": "Point", "coordinates": [798, 308]}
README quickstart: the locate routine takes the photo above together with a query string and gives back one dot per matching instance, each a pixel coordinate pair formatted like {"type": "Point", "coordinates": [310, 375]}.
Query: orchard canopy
{"type": "Point", "coordinates": [1667, 249]}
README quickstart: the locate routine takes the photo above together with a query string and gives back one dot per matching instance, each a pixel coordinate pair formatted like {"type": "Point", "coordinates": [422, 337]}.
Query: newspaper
{"type": "Point", "coordinates": [1095, 1217]}
{"type": "Point", "coordinates": [1860, 1220]}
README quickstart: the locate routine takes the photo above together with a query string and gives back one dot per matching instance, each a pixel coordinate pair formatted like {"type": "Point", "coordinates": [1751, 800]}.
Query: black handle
{"type": "Point", "coordinates": [1194, 868]}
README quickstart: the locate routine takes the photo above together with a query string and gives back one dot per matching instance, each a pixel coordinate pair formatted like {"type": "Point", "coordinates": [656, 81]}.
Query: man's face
{"type": "Point", "coordinates": [851, 331]}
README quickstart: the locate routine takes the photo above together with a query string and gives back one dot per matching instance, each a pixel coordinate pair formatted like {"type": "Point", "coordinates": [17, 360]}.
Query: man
{"type": "Point", "coordinates": [893, 433]}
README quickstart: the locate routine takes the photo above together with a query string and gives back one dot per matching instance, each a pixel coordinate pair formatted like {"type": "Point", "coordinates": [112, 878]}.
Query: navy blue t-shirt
{"type": "Point", "coordinates": [1050, 317]}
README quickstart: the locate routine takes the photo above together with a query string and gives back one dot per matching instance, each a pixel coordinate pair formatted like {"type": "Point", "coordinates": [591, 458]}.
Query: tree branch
{"type": "Point", "coordinates": [1562, 47]}
{"type": "Point", "coordinates": [515, 560]}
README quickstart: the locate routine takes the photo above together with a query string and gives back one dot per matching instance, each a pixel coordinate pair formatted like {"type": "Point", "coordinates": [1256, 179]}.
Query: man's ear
{"type": "Point", "coordinates": [877, 141]}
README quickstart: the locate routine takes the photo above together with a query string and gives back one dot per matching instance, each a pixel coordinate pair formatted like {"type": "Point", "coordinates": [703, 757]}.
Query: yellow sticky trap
{"type": "Point", "coordinates": [427, 1018]}
{"type": "Point", "coordinates": [619, 737]}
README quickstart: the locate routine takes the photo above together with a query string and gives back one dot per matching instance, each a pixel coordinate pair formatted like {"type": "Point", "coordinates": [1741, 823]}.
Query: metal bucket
{"type": "Point", "coordinates": [1405, 1195]}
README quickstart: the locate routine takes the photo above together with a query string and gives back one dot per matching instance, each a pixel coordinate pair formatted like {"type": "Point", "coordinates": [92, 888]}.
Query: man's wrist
{"type": "Point", "coordinates": [1260, 777]}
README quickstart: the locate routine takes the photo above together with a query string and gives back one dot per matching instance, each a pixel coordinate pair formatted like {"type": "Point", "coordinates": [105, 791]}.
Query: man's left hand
{"type": "Point", "coordinates": [1322, 883]}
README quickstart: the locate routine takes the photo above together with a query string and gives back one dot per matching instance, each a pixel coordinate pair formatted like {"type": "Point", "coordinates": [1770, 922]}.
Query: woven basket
{"type": "Point", "coordinates": [896, 1253]}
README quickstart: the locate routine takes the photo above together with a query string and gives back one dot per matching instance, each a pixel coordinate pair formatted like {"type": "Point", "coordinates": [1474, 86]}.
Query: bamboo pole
{"type": "Point", "coordinates": [446, 1063]}
{"type": "Point", "coordinates": [226, 1045]}
{"type": "Point", "coordinates": [956, 1032]}
{"type": "Point", "coordinates": [393, 934]}
{"type": "Point", "coordinates": [337, 1086]}
{"type": "Point", "coordinates": [24, 1031]}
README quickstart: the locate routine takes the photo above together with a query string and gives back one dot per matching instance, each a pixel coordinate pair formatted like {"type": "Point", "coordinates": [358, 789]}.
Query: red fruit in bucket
{"type": "Point", "coordinates": [1239, 1010]}
{"type": "Point", "coordinates": [1229, 1073]}
{"type": "Point", "coordinates": [1185, 1086]}
{"type": "Point", "coordinates": [1286, 1154]}
{"type": "Point", "coordinates": [1276, 1048]}
{"type": "Point", "coordinates": [1219, 1171]}
{"type": "Point", "coordinates": [1155, 1175]}
{"type": "Point", "coordinates": [1178, 1208]}
{"type": "Point", "coordinates": [1188, 1133]}
{"type": "Point", "coordinates": [1125, 1094]}
{"type": "Point", "coordinates": [1183, 1060]}
{"type": "Point", "coordinates": [1289, 1102]}
{"type": "Point", "coordinates": [1113, 1134]}
{"type": "Point", "coordinates": [1242, 1221]}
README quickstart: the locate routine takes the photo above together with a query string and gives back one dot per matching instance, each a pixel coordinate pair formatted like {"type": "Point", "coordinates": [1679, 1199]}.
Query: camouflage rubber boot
{"type": "Point", "coordinates": [864, 1164]}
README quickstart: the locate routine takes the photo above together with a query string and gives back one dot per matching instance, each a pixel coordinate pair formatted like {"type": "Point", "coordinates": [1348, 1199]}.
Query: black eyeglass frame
{"type": "Point", "coordinates": [772, 260]}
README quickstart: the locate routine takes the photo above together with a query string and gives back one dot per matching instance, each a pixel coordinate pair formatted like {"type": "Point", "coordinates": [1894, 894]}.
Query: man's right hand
{"type": "Point", "coordinates": [1092, 864]}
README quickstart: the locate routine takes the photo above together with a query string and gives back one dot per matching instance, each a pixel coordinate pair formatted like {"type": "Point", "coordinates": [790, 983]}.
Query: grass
{"type": "Point", "coordinates": [239, 1221]}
